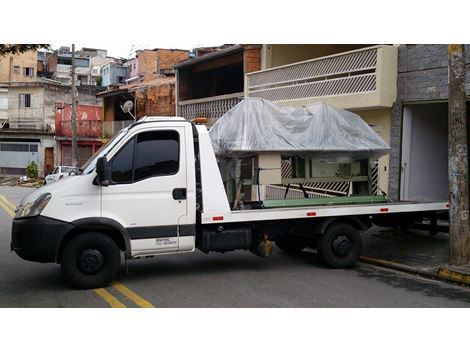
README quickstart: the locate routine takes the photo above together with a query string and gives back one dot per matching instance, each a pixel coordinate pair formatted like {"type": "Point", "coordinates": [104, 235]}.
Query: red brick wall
{"type": "Point", "coordinates": [167, 58]}
{"type": "Point", "coordinates": [252, 58]}
{"type": "Point", "coordinates": [156, 100]}
{"type": "Point", "coordinates": [152, 61]}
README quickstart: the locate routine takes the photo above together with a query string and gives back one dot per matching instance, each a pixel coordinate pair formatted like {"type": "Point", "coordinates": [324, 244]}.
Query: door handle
{"type": "Point", "coordinates": [179, 193]}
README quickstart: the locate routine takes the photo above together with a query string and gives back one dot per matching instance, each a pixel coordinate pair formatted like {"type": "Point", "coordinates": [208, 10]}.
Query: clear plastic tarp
{"type": "Point", "coordinates": [317, 131]}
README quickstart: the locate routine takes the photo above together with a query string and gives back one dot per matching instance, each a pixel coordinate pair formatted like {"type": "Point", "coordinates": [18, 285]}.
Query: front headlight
{"type": "Point", "coordinates": [33, 208]}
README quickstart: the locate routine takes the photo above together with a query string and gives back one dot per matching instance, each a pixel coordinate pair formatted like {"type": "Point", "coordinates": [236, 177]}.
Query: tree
{"type": "Point", "coordinates": [13, 49]}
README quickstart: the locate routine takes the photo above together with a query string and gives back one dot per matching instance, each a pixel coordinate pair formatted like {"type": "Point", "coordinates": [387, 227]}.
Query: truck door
{"type": "Point", "coordinates": [147, 194]}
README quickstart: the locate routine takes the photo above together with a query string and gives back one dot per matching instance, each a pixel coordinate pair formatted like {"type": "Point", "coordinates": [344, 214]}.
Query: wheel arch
{"type": "Point", "coordinates": [358, 222]}
{"type": "Point", "coordinates": [107, 226]}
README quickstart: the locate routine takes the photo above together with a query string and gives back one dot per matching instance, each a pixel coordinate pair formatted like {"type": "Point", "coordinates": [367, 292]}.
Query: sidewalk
{"type": "Point", "coordinates": [413, 251]}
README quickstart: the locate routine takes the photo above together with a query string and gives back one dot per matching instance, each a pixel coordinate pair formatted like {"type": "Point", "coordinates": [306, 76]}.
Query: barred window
{"type": "Point", "coordinates": [25, 100]}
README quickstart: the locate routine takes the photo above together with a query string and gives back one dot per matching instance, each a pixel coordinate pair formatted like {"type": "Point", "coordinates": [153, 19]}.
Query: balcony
{"type": "Point", "coordinates": [363, 78]}
{"type": "Point", "coordinates": [212, 107]}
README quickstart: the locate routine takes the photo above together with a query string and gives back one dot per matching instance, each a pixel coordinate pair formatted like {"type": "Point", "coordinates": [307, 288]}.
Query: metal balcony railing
{"type": "Point", "coordinates": [350, 72]}
{"type": "Point", "coordinates": [212, 107]}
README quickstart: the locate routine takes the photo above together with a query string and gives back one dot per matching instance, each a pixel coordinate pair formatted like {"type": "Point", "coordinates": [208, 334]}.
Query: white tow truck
{"type": "Point", "coordinates": [155, 188]}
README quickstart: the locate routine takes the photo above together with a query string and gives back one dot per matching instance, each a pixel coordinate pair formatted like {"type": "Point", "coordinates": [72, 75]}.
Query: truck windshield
{"type": "Point", "coordinates": [90, 165]}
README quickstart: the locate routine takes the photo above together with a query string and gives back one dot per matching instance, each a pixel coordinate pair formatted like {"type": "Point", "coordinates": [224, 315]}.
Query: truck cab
{"type": "Point", "coordinates": [147, 206]}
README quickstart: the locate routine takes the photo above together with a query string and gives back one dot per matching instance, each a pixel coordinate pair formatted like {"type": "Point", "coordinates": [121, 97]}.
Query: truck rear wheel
{"type": "Point", "coordinates": [291, 244]}
{"type": "Point", "coordinates": [90, 260]}
{"type": "Point", "coordinates": [340, 246]}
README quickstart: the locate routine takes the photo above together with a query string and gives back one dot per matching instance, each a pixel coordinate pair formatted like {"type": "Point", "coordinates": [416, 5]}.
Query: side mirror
{"type": "Point", "coordinates": [102, 171]}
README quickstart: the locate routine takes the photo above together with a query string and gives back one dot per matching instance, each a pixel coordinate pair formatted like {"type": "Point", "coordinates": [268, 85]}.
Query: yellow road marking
{"type": "Point", "coordinates": [109, 298]}
{"type": "Point", "coordinates": [132, 295]}
{"type": "Point", "coordinates": [7, 206]}
{"type": "Point", "coordinates": [7, 202]}
{"type": "Point", "coordinates": [103, 293]}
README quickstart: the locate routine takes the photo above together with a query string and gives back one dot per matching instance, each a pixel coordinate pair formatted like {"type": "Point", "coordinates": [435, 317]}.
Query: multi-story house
{"type": "Point", "coordinates": [360, 78]}
{"type": "Point", "coordinates": [213, 82]}
{"type": "Point", "coordinates": [113, 74]}
{"type": "Point", "coordinates": [19, 67]}
{"type": "Point", "coordinates": [150, 84]}
{"type": "Point", "coordinates": [29, 131]}
{"type": "Point", "coordinates": [88, 63]}
{"type": "Point", "coordinates": [60, 64]}
{"type": "Point", "coordinates": [151, 64]}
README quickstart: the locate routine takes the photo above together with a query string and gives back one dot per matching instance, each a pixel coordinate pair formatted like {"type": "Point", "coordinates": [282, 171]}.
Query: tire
{"type": "Point", "coordinates": [340, 246]}
{"type": "Point", "coordinates": [90, 260]}
{"type": "Point", "coordinates": [291, 244]}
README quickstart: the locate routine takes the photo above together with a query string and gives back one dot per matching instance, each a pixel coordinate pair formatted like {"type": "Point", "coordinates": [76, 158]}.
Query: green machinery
{"type": "Point", "coordinates": [243, 177]}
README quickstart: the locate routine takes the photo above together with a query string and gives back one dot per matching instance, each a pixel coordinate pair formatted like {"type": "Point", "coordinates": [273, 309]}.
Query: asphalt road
{"type": "Point", "coordinates": [236, 279]}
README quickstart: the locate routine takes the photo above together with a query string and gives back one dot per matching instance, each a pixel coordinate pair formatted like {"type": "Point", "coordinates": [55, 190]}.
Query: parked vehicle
{"type": "Point", "coordinates": [155, 188]}
{"type": "Point", "coordinates": [59, 173]}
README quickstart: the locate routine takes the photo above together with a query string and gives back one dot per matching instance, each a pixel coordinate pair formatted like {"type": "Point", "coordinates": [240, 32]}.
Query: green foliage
{"type": "Point", "coordinates": [98, 80]}
{"type": "Point", "coordinates": [32, 170]}
{"type": "Point", "coordinates": [13, 49]}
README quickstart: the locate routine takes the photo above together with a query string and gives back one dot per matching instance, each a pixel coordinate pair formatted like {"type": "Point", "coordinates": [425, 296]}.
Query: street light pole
{"type": "Point", "coordinates": [459, 229]}
{"type": "Point", "coordinates": [74, 113]}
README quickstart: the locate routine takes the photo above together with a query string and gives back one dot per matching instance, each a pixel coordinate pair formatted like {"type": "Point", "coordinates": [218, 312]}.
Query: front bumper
{"type": "Point", "coordinates": [38, 238]}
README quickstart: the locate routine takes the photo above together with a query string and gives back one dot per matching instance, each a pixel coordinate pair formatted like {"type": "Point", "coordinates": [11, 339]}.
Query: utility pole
{"type": "Point", "coordinates": [459, 226]}
{"type": "Point", "coordinates": [74, 113]}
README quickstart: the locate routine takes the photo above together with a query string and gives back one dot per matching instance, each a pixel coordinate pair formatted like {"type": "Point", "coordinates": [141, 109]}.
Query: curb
{"type": "Point", "coordinates": [440, 273]}
{"type": "Point", "coordinates": [454, 276]}
{"type": "Point", "coordinates": [432, 273]}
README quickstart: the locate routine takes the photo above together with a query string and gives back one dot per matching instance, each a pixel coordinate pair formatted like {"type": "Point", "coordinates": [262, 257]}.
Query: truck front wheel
{"type": "Point", "coordinates": [340, 245]}
{"type": "Point", "coordinates": [90, 260]}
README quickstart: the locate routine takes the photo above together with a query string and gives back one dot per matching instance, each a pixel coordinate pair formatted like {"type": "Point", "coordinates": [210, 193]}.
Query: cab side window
{"type": "Point", "coordinates": [157, 154]}
{"type": "Point", "coordinates": [149, 154]}
{"type": "Point", "coordinates": [122, 164]}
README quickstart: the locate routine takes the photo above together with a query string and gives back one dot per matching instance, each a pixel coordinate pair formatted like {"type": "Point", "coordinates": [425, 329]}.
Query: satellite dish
{"type": "Point", "coordinates": [127, 107]}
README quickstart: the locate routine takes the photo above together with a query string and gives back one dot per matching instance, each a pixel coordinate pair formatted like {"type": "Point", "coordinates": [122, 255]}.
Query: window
{"type": "Point", "coordinates": [16, 70]}
{"type": "Point", "coordinates": [157, 154]}
{"type": "Point", "coordinates": [25, 100]}
{"type": "Point", "coordinates": [56, 170]}
{"type": "Point", "coordinates": [28, 71]}
{"type": "Point", "coordinates": [149, 154]}
{"type": "Point", "coordinates": [16, 147]}
{"type": "Point", "coordinates": [33, 148]}
{"type": "Point", "coordinates": [120, 79]}
{"type": "Point", "coordinates": [121, 166]}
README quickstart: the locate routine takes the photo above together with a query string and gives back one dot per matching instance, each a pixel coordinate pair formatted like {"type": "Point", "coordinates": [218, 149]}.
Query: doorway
{"type": "Point", "coordinates": [424, 160]}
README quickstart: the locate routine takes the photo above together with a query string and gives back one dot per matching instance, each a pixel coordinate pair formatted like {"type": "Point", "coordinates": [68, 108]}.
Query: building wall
{"type": "Point", "coordinates": [157, 100]}
{"type": "Point", "coordinates": [7, 63]}
{"type": "Point", "coordinates": [153, 63]}
{"type": "Point", "coordinates": [422, 72]}
{"type": "Point", "coordinates": [422, 77]}
{"type": "Point", "coordinates": [41, 114]}
{"type": "Point", "coordinates": [380, 121]}
{"type": "Point", "coordinates": [132, 68]}
{"type": "Point", "coordinates": [26, 117]}
{"type": "Point", "coordinates": [251, 58]}
{"type": "Point", "coordinates": [3, 104]}
{"type": "Point", "coordinates": [147, 65]}
{"type": "Point", "coordinates": [106, 75]}
{"type": "Point", "coordinates": [169, 57]}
